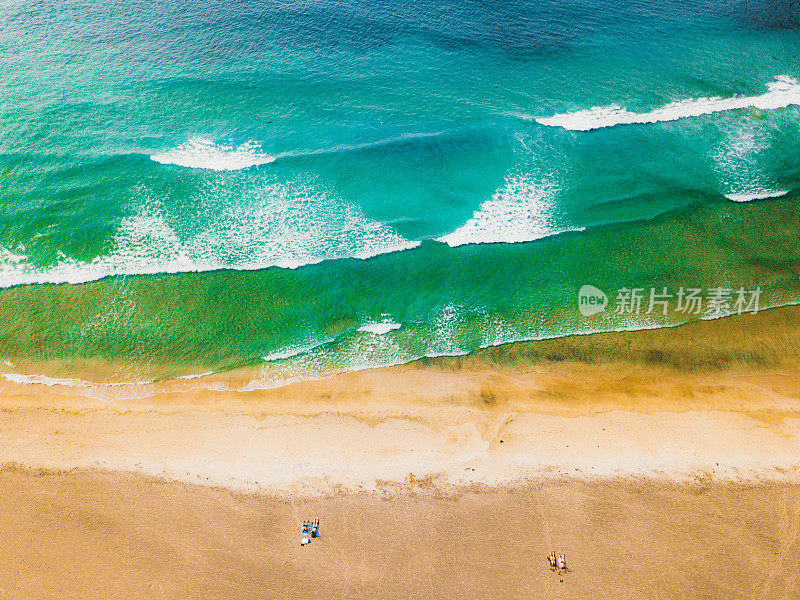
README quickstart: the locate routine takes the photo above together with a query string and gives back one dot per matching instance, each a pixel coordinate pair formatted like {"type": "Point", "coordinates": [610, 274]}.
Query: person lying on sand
{"type": "Point", "coordinates": [562, 562]}
{"type": "Point", "coordinates": [310, 529]}
{"type": "Point", "coordinates": [551, 558]}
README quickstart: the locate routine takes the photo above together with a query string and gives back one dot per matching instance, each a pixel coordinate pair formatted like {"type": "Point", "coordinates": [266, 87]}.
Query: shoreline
{"type": "Point", "coordinates": [585, 373]}
{"type": "Point", "coordinates": [665, 463]}
{"type": "Point", "coordinates": [711, 399]}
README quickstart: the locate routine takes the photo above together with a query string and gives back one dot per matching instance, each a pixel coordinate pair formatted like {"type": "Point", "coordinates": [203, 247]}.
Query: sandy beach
{"type": "Point", "coordinates": [94, 535]}
{"type": "Point", "coordinates": [713, 399]}
{"type": "Point", "coordinates": [665, 462]}
{"type": "Point", "coordinates": [471, 283]}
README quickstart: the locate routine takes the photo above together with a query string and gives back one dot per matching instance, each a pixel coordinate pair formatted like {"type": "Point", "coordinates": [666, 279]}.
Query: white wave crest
{"type": "Point", "coordinates": [521, 211]}
{"type": "Point", "coordinates": [295, 350]}
{"type": "Point", "coordinates": [284, 225]}
{"type": "Point", "coordinates": [36, 379]}
{"type": "Point", "coordinates": [12, 258]}
{"type": "Point", "coordinates": [758, 195]}
{"type": "Point", "coordinates": [783, 92]}
{"type": "Point", "coordinates": [380, 328]}
{"type": "Point", "coordinates": [196, 375]}
{"type": "Point", "coordinates": [202, 153]}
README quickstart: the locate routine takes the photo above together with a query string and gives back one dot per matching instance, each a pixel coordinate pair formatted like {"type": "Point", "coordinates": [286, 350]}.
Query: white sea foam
{"type": "Point", "coordinates": [523, 210]}
{"type": "Point", "coordinates": [281, 225]}
{"type": "Point", "coordinates": [202, 153]}
{"type": "Point", "coordinates": [196, 375]}
{"type": "Point", "coordinates": [36, 379]}
{"type": "Point", "coordinates": [445, 354]}
{"type": "Point", "coordinates": [12, 258]}
{"type": "Point", "coordinates": [380, 328]}
{"type": "Point", "coordinates": [103, 391]}
{"type": "Point", "coordinates": [449, 323]}
{"type": "Point", "coordinates": [741, 163]}
{"type": "Point", "coordinates": [283, 354]}
{"type": "Point", "coordinates": [296, 350]}
{"type": "Point", "coordinates": [40, 380]}
{"type": "Point", "coordinates": [783, 92]}
{"type": "Point", "coordinates": [758, 195]}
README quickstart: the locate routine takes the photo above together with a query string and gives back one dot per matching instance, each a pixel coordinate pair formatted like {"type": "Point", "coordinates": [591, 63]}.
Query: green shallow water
{"type": "Point", "coordinates": [190, 187]}
{"type": "Point", "coordinates": [446, 299]}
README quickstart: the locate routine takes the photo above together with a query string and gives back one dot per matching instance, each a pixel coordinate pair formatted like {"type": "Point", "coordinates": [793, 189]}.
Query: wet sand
{"type": "Point", "coordinates": [745, 363]}
{"type": "Point", "coordinates": [335, 453]}
{"type": "Point", "coordinates": [715, 398]}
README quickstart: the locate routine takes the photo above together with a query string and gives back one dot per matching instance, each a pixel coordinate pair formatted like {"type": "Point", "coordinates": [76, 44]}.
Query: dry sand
{"type": "Point", "coordinates": [666, 463]}
{"type": "Point", "coordinates": [98, 535]}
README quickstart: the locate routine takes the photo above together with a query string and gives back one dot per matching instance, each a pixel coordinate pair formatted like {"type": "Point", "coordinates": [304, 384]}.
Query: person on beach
{"type": "Point", "coordinates": [562, 563]}
{"type": "Point", "coordinates": [309, 529]}
{"type": "Point", "coordinates": [306, 533]}
{"type": "Point", "coordinates": [551, 558]}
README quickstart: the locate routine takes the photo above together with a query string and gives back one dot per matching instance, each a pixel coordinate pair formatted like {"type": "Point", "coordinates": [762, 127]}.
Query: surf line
{"type": "Point", "coordinates": [783, 92]}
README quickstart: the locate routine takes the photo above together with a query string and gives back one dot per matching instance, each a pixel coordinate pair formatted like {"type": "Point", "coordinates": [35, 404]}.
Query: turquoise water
{"type": "Point", "coordinates": [195, 186]}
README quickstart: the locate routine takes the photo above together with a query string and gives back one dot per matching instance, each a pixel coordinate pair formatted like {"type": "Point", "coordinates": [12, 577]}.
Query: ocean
{"type": "Point", "coordinates": [317, 186]}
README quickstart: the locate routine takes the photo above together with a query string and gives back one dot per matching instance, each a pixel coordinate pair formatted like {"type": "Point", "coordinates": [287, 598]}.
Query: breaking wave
{"type": "Point", "coordinates": [783, 92]}
{"type": "Point", "coordinates": [523, 210]}
{"type": "Point", "coordinates": [105, 391]}
{"type": "Point", "coordinates": [284, 225]}
{"type": "Point", "coordinates": [381, 328]}
{"type": "Point", "coordinates": [202, 153]}
{"type": "Point", "coordinates": [759, 195]}
{"type": "Point", "coordinates": [743, 165]}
